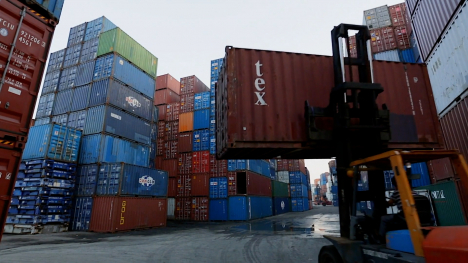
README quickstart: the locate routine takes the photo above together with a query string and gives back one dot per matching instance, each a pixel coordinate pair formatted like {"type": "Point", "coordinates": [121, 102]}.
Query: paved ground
{"type": "Point", "coordinates": [292, 237]}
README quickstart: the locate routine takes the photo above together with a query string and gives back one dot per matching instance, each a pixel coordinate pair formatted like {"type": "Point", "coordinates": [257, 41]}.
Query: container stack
{"type": "Point", "coordinates": [280, 192]}
{"type": "Point", "coordinates": [334, 185]}
{"type": "Point", "coordinates": [390, 29]}
{"type": "Point", "coordinates": [42, 198]}
{"type": "Point", "coordinates": [298, 185]}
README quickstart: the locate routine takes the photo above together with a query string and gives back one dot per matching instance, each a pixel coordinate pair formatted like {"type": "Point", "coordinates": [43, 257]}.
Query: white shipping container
{"type": "Point", "coordinates": [448, 63]}
{"type": "Point", "coordinates": [391, 55]}
{"type": "Point", "coordinates": [170, 208]}
{"type": "Point", "coordinates": [283, 176]}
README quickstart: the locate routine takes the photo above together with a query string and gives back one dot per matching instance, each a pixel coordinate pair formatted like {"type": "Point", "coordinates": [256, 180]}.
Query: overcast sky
{"type": "Point", "coordinates": [187, 34]}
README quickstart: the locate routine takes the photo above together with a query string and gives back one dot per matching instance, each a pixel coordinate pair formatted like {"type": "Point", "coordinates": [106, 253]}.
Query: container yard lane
{"type": "Point", "coordinates": [290, 237]}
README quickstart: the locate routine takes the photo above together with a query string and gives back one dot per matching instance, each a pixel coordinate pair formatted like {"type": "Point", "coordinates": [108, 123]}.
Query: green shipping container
{"type": "Point", "coordinates": [446, 203]}
{"type": "Point", "coordinates": [118, 41]}
{"type": "Point", "coordinates": [279, 189]}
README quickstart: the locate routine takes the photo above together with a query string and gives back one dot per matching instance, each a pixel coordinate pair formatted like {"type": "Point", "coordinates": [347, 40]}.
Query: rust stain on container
{"type": "Point", "coordinates": [167, 82]}
{"type": "Point", "coordinates": [261, 94]}
{"type": "Point", "coordinates": [113, 214]}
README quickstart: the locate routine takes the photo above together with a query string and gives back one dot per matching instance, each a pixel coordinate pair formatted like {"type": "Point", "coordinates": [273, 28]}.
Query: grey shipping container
{"type": "Point", "coordinates": [114, 121]}
{"type": "Point", "coordinates": [116, 93]}
{"type": "Point", "coordinates": [72, 55]}
{"type": "Point", "coordinates": [45, 105]}
{"type": "Point", "coordinates": [76, 34]}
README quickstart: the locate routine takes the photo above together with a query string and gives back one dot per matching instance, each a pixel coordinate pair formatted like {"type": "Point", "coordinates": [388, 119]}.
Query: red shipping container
{"type": "Point", "coordinates": [222, 168]}
{"type": "Point", "coordinates": [158, 162]}
{"type": "Point", "coordinates": [402, 36]}
{"type": "Point", "coordinates": [463, 196]}
{"type": "Point", "coordinates": [302, 167]}
{"type": "Point", "coordinates": [440, 170]}
{"type": "Point", "coordinates": [377, 44]}
{"type": "Point", "coordinates": [161, 129]}
{"type": "Point", "coordinates": [200, 184]}
{"type": "Point", "coordinates": [185, 163]}
{"type": "Point", "coordinates": [162, 109]}
{"type": "Point", "coordinates": [398, 14]}
{"type": "Point", "coordinates": [116, 213]}
{"type": "Point", "coordinates": [232, 186]}
{"type": "Point", "coordinates": [23, 72]}
{"type": "Point", "coordinates": [171, 166]}
{"type": "Point", "coordinates": [192, 84]}
{"type": "Point", "coordinates": [389, 38]}
{"type": "Point", "coordinates": [293, 165]}
{"type": "Point", "coordinates": [171, 150]}
{"type": "Point", "coordinates": [187, 102]}
{"type": "Point", "coordinates": [352, 47]}
{"type": "Point", "coordinates": [200, 206]}
{"type": "Point", "coordinates": [249, 183]}
{"type": "Point", "coordinates": [183, 208]}
{"type": "Point", "coordinates": [185, 142]}
{"type": "Point", "coordinates": [172, 111]}
{"type": "Point", "coordinates": [166, 81]}
{"type": "Point", "coordinates": [184, 185]}
{"type": "Point", "coordinates": [218, 168]}
{"type": "Point", "coordinates": [213, 166]}
{"type": "Point", "coordinates": [282, 165]}
{"type": "Point", "coordinates": [172, 187]}
{"type": "Point", "coordinates": [172, 131]}
{"type": "Point", "coordinates": [165, 96]}
{"type": "Point", "coordinates": [160, 143]}
{"type": "Point", "coordinates": [201, 162]}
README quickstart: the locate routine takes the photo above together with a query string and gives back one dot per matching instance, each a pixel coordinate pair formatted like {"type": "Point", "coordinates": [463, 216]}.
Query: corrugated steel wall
{"type": "Point", "coordinates": [455, 127]}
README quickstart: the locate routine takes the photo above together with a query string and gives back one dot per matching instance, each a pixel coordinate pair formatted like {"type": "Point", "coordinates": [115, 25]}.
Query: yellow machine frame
{"type": "Point", "coordinates": [396, 160]}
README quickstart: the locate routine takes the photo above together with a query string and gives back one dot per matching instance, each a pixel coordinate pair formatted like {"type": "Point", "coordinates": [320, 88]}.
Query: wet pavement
{"type": "Point", "coordinates": [291, 237]}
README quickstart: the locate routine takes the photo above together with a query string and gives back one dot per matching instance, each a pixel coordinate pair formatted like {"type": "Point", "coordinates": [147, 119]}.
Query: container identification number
{"type": "Point", "coordinates": [122, 212]}
{"type": "Point", "coordinates": [29, 39]}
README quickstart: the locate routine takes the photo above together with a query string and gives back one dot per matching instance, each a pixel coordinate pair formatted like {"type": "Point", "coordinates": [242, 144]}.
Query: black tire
{"type": "Point", "coordinates": [329, 254]}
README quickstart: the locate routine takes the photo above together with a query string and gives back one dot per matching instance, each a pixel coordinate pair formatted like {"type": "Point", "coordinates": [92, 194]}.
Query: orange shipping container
{"type": "Point", "coordinates": [186, 122]}
{"type": "Point", "coordinates": [167, 81]}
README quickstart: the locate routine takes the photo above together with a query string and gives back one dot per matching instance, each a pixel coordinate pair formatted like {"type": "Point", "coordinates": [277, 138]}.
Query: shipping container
{"type": "Point", "coordinates": [172, 111]}
{"type": "Point", "coordinates": [77, 119]}
{"type": "Point", "coordinates": [299, 204]}
{"type": "Point", "coordinates": [201, 119]}
{"type": "Point", "coordinates": [162, 112]}
{"type": "Point", "coordinates": [119, 68]}
{"type": "Point", "coordinates": [243, 208]}
{"type": "Point", "coordinates": [298, 190]}
{"type": "Point", "coordinates": [391, 55]}
{"type": "Point", "coordinates": [130, 180]}
{"type": "Point", "coordinates": [377, 17]}
{"type": "Point", "coordinates": [249, 183]}
{"type": "Point", "coordinates": [429, 20]}
{"type": "Point", "coordinates": [446, 202]}
{"type": "Point", "coordinates": [415, 47]}
{"type": "Point", "coordinates": [110, 91]}
{"type": "Point", "coordinates": [165, 96]}
{"type": "Point", "coordinates": [411, 5]}
{"type": "Point", "coordinates": [76, 34]}
{"type": "Point", "coordinates": [218, 210]}
{"type": "Point", "coordinates": [447, 64]}
{"type": "Point", "coordinates": [283, 176]}
{"type": "Point", "coordinates": [202, 100]}
{"type": "Point", "coordinates": [192, 84]}
{"type": "Point", "coordinates": [293, 165]}
{"type": "Point", "coordinates": [218, 168]}
{"type": "Point", "coordinates": [55, 61]}
{"type": "Point", "coordinates": [114, 121]}
{"type": "Point", "coordinates": [67, 78]}
{"type": "Point", "coordinates": [200, 184]}
{"type": "Point", "coordinates": [455, 125]}
{"type": "Point", "coordinates": [167, 81]}
{"type": "Point", "coordinates": [170, 208]}
{"type": "Point", "coordinates": [212, 144]}
{"type": "Point", "coordinates": [201, 140]}
{"type": "Point", "coordinates": [98, 26]}
{"type": "Point", "coordinates": [51, 82]}
{"type": "Point", "coordinates": [116, 40]}
{"type": "Point", "coordinates": [113, 214]}
{"type": "Point", "coordinates": [185, 142]}
{"type": "Point", "coordinates": [218, 187]}
{"type": "Point", "coordinates": [72, 55]}
{"type": "Point", "coordinates": [62, 102]}
{"type": "Point", "coordinates": [187, 102]}
{"type": "Point", "coordinates": [171, 166]}
{"type": "Point", "coordinates": [282, 165]}
{"type": "Point", "coordinates": [232, 183]}
{"type": "Point", "coordinates": [212, 106]}
{"type": "Point", "coordinates": [41, 121]}
{"type": "Point", "coordinates": [463, 196]}
{"type": "Point", "coordinates": [200, 209]}
{"type": "Point", "coordinates": [171, 149]}
{"type": "Point", "coordinates": [201, 162]}
{"type": "Point", "coordinates": [184, 185]}
{"type": "Point", "coordinates": [183, 208]}
{"type": "Point", "coordinates": [279, 189]}
{"type": "Point", "coordinates": [45, 105]}
{"type": "Point", "coordinates": [89, 50]}
{"type": "Point", "coordinates": [86, 178]}
{"type": "Point", "coordinates": [398, 14]}
{"type": "Point", "coordinates": [402, 36]}
{"type": "Point", "coordinates": [53, 141]}
{"type": "Point", "coordinates": [440, 169]}
{"type": "Point", "coordinates": [172, 131]}
{"type": "Point", "coordinates": [244, 122]}
{"type": "Point", "coordinates": [80, 98]}
{"type": "Point", "coordinates": [407, 55]}
{"type": "Point", "coordinates": [82, 213]}
{"type": "Point", "coordinates": [23, 77]}
{"type": "Point", "coordinates": [99, 148]}
{"type": "Point", "coordinates": [298, 178]}
{"type": "Point", "coordinates": [49, 9]}
{"type": "Point", "coordinates": [186, 122]}
{"type": "Point", "coordinates": [60, 119]}
{"type": "Point", "coordinates": [383, 39]}
{"type": "Point", "coordinates": [185, 163]}
{"type": "Point", "coordinates": [281, 205]}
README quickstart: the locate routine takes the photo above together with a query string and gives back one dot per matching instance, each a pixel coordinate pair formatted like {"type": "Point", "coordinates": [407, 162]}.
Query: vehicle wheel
{"type": "Point", "coordinates": [329, 254]}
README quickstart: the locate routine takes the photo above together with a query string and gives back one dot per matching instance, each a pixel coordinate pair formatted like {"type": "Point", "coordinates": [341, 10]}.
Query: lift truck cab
{"type": "Point", "coordinates": [429, 243]}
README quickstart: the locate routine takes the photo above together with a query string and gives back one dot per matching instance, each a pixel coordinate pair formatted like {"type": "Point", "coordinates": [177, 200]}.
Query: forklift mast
{"type": "Point", "coordinates": [360, 128]}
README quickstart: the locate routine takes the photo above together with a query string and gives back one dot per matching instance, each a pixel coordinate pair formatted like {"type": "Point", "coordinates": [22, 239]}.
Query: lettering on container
{"type": "Point", "coordinates": [438, 194]}
{"type": "Point", "coordinates": [282, 205]}
{"type": "Point", "coordinates": [259, 85]}
{"type": "Point", "coordinates": [122, 212]}
{"type": "Point", "coordinates": [147, 181]}
{"type": "Point", "coordinates": [118, 117]}
{"type": "Point", "coordinates": [133, 102]}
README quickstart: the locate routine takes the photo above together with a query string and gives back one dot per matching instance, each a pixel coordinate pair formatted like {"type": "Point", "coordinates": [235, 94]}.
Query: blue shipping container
{"type": "Point", "coordinates": [76, 34]}
{"type": "Point", "coordinates": [125, 179]}
{"type": "Point", "coordinates": [82, 213]}
{"type": "Point", "coordinates": [237, 165]}
{"type": "Point", "coordinates": [407, 55]}
{"type": "Point", "coordinates": [116, 66]}
{"type": "Point", "coordinates": [281, 205]}
{"type": "Point", "coordinates": [72, 55]}
{"type": "Point", "coordinates": [56, 61]}
{"type": "Point", "coordinates": [100, 148]}
{"type": "Point", "coordinates": [52, 6]}
{"type": "Point", "coordinates": [299, 204]}
{"type": "Point", "coordinates": [249, 207]}
{"type": "Point", "coordinates": [114, 121]}
{"type": "Point", "coordinates": [202, 100]}
{"type": "Point", "coordinates": [218, 210]}
{"type": "Point", "coordinates": [213, 125]}
{"type": "Point", "coordinates": [67, 78]}
{"type": "Point", "coordinates": [212, 144]}
{"type": "Point", "coordinates": [86, 180]}
{"type": "Point", "coordinates": [51, 81]}
{"type": "Point", "coordinates": [218, 187]}
{"type": "Point", "coordinates": [60, 119]}
{"type": "Point", "coordinates": [298, 190]}
{"type": "Point", "coordinates": [213, 107]}
{"type": "Point", "coordinates": [80, 98]}
{"type": "Point", "coordinates": [416, 168]}
{"type": "Point", "coordinates": [89, 50]}
{"type": "Point", "coordinates": [201, 140]}
{"type": "Point", "coordinates": [63, 102]}
{"type": "Point", "coordinates": [201, 119]}
{"type": "Point", "coordinates": [272, 173]}
{"type": "Point", "coordinates": [98, 26]}
{"type": "Point", "coordinates": [77, 119]}
{"type": "Point", "coordinates": [297, 178]}
{"type": "Point", "coordinates": [334, 189]}
{"type": "Point", "coordinates": [123, 97]}
{"type": "Point", "coordinates": [53, 141]}
{"type": "Point", "coordinates": [84, 73]}
{"type": "Point", "coordinates": [45, 105]}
